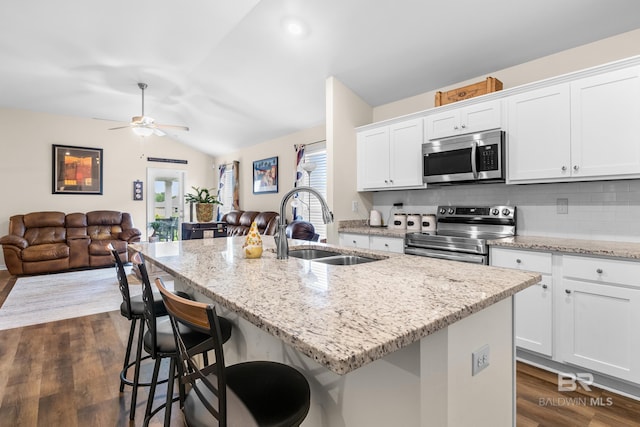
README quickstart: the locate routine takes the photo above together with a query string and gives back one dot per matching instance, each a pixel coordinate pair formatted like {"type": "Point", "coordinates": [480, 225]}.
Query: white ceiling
{"type": "Point", "coordinates": [229, 71]}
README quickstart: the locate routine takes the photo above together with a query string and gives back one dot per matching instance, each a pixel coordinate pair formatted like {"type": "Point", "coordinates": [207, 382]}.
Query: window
{"type": "Point", "coordinates": [316, 153]}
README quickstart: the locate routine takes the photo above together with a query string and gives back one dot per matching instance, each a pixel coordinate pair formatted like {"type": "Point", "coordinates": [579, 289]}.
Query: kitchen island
{"type": "Point", "coordinates": [388, 342]}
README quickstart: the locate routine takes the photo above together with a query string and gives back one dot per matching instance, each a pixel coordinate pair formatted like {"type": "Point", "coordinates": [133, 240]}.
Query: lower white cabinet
{"type": "Point", "coordinates": [584, 314]}
{"type": "Point", "coordinates": [379, 243]}
{"type": "Point", "coordinates": [534, 305]}
{"type": "Point", "coordinates": [600, 316]}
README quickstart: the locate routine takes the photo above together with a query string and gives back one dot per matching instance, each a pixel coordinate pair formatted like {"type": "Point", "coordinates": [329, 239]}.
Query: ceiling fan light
{"type": "Point", "coordinates": [142, 131]}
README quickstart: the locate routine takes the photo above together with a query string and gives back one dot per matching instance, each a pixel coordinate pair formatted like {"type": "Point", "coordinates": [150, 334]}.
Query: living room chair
{"type": "Point", "coordinates": [256, 393]}
{"type": "Point", "coordinates": [159, 342]}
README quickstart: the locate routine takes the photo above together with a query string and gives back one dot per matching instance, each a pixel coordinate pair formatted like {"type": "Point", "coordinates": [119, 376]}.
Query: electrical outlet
{"type": "Point", "coordinates": [480, 359]}
{"type": "Point", "coordinates": [354, 206]}
{"type": "Point", "coordinates": [562, 206]}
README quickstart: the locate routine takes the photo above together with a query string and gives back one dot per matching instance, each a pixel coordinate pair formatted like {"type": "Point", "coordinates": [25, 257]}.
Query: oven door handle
{"type": "Point", "coordinates": [474, 150]}
{"type": "Point", "coordinates": [453, 256]}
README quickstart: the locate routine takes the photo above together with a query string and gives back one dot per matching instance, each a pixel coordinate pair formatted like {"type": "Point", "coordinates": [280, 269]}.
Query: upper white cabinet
{"type": "Point", "coordinates": [473, 118]}
{"type": "Point", "coordinates": [390, 157]}
{"type": "Point", "coordinates": [539, 131]}
{"type": "Point", "coordinates": [579, 130]}
{"type": "Point", "coordinates": [604, 117]}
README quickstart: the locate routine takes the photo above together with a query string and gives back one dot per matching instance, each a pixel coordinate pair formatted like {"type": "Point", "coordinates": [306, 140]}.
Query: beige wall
{"type": "Point", "coordinates": [26, 164]}
{"type": "Point", "coordinates": [345, 112]}
{"type": "Point", "coordinates": [589, 55]}
{"type": "Point", "coordinates": [284, 149]}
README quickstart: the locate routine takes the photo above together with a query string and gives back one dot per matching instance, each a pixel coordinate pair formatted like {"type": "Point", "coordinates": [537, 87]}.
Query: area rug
{"type": "Point", "coordinates": [47, 298]}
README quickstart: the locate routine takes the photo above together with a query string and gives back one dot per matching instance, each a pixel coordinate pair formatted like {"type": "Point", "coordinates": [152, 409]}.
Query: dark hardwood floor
{"type": "Point", "coordinates": [65, 373]}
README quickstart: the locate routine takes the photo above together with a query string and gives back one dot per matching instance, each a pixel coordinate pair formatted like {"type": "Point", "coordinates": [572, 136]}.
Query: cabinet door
{"type": "Point", "coordinates": [604, 136]}
{"type": "Point", "coordinates": [405, 154]}
{"type": "Point", "coordinates": [534, 317]}
{"type": "Point", "coordinates": [354, 240]}
{"type": "Point", "coordinates": [388, 244]}
{"type": "Point", "coordinates": [539, 135]}
{"type": "Point", "coordinates": [441, 125]}
{"type": "Point", "coordinates": [534, 305]}
{"type": "Point", "coordinates": [373, 158]}
{"type": "Point", "coordinates": [481, 117]}
{"type": "Point", "coordinates": [601, 330]}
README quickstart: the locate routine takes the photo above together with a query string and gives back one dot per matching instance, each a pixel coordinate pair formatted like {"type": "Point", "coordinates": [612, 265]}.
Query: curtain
{"type": "Point", "coordinates": [228, 187]}
{"type": "Point", "coordinates": [298, 178]}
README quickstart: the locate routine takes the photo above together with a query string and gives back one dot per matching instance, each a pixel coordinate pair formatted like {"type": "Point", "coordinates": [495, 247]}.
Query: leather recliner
{"type": "Point", "coordinates": [44, 242]}
{"type": "Point", "coordinates": [239, 222]}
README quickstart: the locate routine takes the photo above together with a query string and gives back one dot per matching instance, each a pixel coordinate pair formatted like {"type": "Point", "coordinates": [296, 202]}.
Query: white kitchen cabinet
{"type": "Point", "coordinates": [538, 134]}
{"type": "Point", "coordinates": [473, 118]}
{"type": "Point", "coordinates": [600, 314]}
{"type": "Point", "coordinates": [379, 243]}
{"type": "Point", "coordinates": [605, 110]}
{"type": "Point", "coordinates": [387, 244]}
{"type": "Point", "coordinates": [534, 305]}
{"type": "Point", "coordinates": [390, 157]}
{"type": "Point", "coordinates": [579, 130]}
{"type": "Point", "coordinates": [353, 240]}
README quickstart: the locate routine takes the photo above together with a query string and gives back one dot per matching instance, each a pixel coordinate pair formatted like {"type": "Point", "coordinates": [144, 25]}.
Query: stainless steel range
{"type": "Point", "coordinates": [462, 233]}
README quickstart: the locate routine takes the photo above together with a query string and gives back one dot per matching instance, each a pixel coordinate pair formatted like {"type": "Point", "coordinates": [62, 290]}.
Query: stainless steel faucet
{"type": "Point", "coordinates": [282, 246]}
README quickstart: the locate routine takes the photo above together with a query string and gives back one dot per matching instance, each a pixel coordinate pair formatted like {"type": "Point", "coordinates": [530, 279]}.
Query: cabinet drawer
{"type": "Point", "coordinates": [602, 270]}
{"type": "Point", "coordinates": [354, 240]}
{"type": "Point", "coordinates": [540, 262]}
{"type": "Point", "coordinates": [389, 244]}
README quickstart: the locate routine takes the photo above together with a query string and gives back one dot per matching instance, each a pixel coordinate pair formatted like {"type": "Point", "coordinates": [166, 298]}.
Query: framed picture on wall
{"type": "Point", "coordinates": [265, 176]}
{"type": "Point", "coordinates": [77, 170]}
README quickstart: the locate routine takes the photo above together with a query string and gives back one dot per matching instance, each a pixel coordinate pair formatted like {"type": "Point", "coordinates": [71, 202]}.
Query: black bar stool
{"type": "Point", "coordinates": [160, 343]}
{"type": "Point", "coordinates": [257, 393]}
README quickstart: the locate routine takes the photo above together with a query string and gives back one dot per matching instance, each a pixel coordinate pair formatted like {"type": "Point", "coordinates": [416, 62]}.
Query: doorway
{"type": "Point", "coordinates": [165, 202]}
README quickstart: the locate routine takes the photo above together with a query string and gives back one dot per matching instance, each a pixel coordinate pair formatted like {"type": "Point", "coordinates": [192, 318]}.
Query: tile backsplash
{"type": "Point", "coordinates": [601, 210]}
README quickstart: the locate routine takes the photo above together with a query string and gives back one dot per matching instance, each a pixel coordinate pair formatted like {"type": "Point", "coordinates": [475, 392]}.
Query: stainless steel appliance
{"type": "Point", "coordinates": [476, 157]}
{"type": "Point", "coordinates": [462, 233]}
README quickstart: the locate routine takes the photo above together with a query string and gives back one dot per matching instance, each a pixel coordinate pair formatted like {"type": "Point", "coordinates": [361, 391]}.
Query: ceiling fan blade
{"type": "Point", "coordinates": [176, 127]}
{"type": "Point", "coordinates": [119, 127]}
{"type": "Point", "coordinates": [159, 132]}
{"type": "Point", "coordinates": [109, 120]}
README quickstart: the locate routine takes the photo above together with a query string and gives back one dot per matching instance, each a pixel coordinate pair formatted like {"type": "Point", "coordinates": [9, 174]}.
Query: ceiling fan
{"type": "Point", "coordinates": [144, 125]}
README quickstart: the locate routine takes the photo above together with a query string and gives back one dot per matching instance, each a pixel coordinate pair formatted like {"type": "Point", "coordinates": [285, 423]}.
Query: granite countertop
{"type": "Point", "coordinates": [577, 246]}
{"type": "Point", "coordinates": [343, 317]}
{"type": "Point", "coordinates": [362, 227]}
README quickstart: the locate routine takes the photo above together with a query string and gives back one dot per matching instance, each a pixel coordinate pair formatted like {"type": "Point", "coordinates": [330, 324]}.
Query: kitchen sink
{"type": "Point", "coordinates": [329, 257]}
{"type": "Point", "coordinates": [311, 253]}
{"type": "Point", "coordinates": [344, 260]}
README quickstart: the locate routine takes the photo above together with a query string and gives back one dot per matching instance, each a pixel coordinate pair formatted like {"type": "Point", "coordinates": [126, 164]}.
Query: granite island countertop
{"type": "Point", "coordinates": [343, 317]}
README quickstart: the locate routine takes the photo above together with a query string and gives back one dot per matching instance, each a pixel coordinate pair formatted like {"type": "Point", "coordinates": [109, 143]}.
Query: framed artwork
{"type": "Point", "coordinates": [77, 170]}
{"type": "Point", "coordinates": [265, 176]}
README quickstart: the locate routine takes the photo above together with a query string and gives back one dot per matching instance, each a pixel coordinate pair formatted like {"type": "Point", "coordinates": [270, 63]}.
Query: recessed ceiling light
{"type": "Point", "coordinates": [295, 27]}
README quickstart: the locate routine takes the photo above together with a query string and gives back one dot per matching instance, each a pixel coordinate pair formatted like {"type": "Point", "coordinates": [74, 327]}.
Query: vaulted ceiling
{"type": "Point", "coordinates": [230, 71]}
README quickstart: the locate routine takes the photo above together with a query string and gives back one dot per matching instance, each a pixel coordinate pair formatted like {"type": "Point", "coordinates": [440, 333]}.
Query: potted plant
{"type": "Point", "coordinates": [204, 201]}
{"type": "Point", "coordinates": [155, 225]}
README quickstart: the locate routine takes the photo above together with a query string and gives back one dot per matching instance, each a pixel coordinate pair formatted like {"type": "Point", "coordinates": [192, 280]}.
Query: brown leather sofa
{"type": "Point", "coordinates": [44, 242]}
{"type": "Point", "coordinates": [239, 222]}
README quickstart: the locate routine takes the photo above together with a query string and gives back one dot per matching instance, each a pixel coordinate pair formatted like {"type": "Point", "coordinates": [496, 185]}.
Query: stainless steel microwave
{"type": "Point", "coordinates": [476, 157]}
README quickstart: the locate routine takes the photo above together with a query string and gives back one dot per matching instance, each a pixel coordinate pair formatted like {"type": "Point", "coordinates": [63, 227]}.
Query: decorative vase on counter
{"type": "Point", "coordinates": [253, 243]}
{"type": "Point", "coordinates": [204, 212]}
